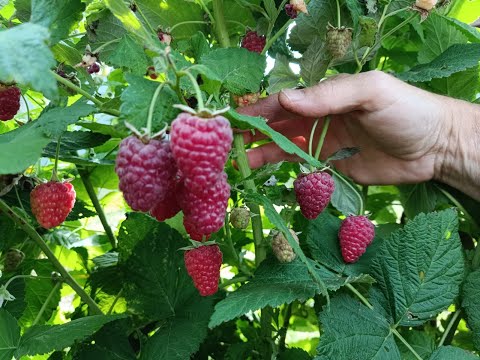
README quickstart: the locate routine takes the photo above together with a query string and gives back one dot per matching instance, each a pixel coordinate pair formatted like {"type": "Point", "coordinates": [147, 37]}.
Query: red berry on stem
{"type": "Point", "coordinates": [253, 42]}
{"type": "Point", "coordinates": [203, 265]}
{"type": "Point", "coordinates": [52, 202]}
{"type": "Point", "coordinates": [9, 102]}
{"type": "Point", "coordinates": [146, 172]}
{"type": "Point", "coordinates": [205, 210]}
{"type": "Point", "coordinates": [313, 192]}
{"type": "Point", "coordinates": [200, 148]}
{"type": "Point", "coordinates": [355, 234]}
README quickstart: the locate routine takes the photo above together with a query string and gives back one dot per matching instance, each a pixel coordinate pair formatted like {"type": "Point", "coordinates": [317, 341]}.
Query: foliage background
{"type": "Point", "coordinates": [120, 289]}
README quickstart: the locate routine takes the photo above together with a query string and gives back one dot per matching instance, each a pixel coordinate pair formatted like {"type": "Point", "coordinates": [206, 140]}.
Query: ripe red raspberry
{"type": "Point", "coordinates": [191, 229]}
{"type": "Point", "coordinates": [203, 265]}
{"type": "Point", "coordinates": [200, 148]}
{"type": "Point", "coordinates": [281, 247]}
{"type": "Point", "coordinates": [205, 210]}
{"type": "Point", "coordinates": [167, 208]}
{"type": "Point", "coordinates": [52, 202]}
{"type": "Point", "coordinates": [146, 171]}
{"type": "Point", "coordinates": [355, 234]}
{"type": "Point", "coordinates": [253, 42]}
{"type": "Point", "coordinates": [313, 192]}
{"type": "Point", "coordinates": [291, 11]}
{"type": "Point", "coordinates": [9, 102]}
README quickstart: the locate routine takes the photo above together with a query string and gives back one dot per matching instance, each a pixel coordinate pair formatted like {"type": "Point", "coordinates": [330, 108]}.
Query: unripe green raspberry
{"type": "Point", "coordinates": [13, 258]}
{"type": "Point", "coordinates": [240, 217]}
{"type": "Point", "coordinates": [338, 41]}
{"type": "Point", "coordinates": [282, 249]}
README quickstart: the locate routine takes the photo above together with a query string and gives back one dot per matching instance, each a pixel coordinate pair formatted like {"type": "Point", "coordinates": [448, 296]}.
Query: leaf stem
{"type": "Point", "coordinates": [187, 23]}
{"type": "Point", "coordinates": [274, 38]}
{"type": "Point", "coordinates": [145, 19]}
{"type": "Point", "coordinates": [57, 154]}
{"type": "Point", "coordinates": [284, 329]}
{"type": "Point", "coordinates": [405, 342]}
{"type": "Point", "coordinates": [85, 176]}
{"type": "Point", "coordinates": [77, 89]}
{"type": "Point", "coordinates": [103, 46]}
{"type": "Point", "coordinates": [198, 92]}
{"type": "Point", "coordinates": [109, 312]}
{"type": "Point", "coordinates": [455, 319]}
{"type": "Point", "coordinates": [152, 108]}
{"type": "Point", "coordinates": [45, 304]}
{"type": "Point", "coordinates": [235, 280]}
{"type": "Point", "coordinates": [35, 236]}
{"type": "Point", "coordinates": [321, 141]}
{"type": "Point", "coordinates": [312, 134]}
{"type": "Point", "coordinates": [398, 27]}
{"type": "Point", "coordinates": [339, 18]}
{"type": "Point", "coordinates": [394, 331]}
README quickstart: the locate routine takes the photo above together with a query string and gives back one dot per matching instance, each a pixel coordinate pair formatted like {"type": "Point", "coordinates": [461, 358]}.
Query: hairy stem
{"type": "Point", "coordinates": [115, 301]}
{"type": "Point", "coordinates": [35, 236]}
{"type": "Point", "coordinates": [284, 329]}
{"type": "Point", "coordinates": [85, 176]}
{"type": "Point", "coordinates": [326, 124]}
{"type": "Point", "coordinates": [274, 38]}
{"type": "Point", "coordinates": [152, 108]}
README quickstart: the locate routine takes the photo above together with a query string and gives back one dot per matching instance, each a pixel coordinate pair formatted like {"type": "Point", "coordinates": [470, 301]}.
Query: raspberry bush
{"type": "Point", "coordinates": [132, 227]}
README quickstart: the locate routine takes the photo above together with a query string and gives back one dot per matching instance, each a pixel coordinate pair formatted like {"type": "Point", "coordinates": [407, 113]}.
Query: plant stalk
{"type": "Point", "coordinates": [451, 328]}
{"type": "Point", "coordinates": [220, 24]}
{"type": "Point", "coordinates": [35, 236]}
{"type": "Point", "coordinates": [85, 176]}
{"type": "Point", "coordinates": [321, 141]}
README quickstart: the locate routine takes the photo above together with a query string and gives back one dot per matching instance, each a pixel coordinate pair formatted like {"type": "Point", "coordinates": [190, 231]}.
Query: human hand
{"type": "Point", "coordinates": [401, 130]}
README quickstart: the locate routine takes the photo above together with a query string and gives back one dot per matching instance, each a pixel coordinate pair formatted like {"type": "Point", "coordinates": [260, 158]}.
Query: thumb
{"type": "Point", "coordinates": [337, 95]}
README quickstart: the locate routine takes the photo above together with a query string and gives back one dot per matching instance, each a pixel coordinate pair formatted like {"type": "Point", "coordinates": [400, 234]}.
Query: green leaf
{"type": "Point", "coordinates": [314, 63]}
{"type": "Point", "coordinates": [72, 141]}
{"type": "Point", "coordinates": [104, 32]}
{"type": "Point", "coordinates": [28, 141]}
{"type": "Point", "coordinates": [240, 121]}
{"type": "Point", "coordinates": [451, 352]}
{"type": "Point", "coordinates": [422, 342]}
{"type": "Point", "coordinates": [346, 197]}
{"type": "Point", "coordinates": [37, 291]}
{"type": "Point", "coordinates": [281, 76]}
{"type": "Point", "coordinates": [418, 198]}
{"type": "Point", "coordinates": [157, 286]}
{"type": "Point", "coordinates": [67, 54]}
{"type": "Point", "coordinates": [350, 328]}
{"type": "Point", "coordinates": [472, 33]}
{"type": "Point", "coordinates": [136, 101]}
{"type": "Point", "coordinates": [274, 284]}
{"type": "Point", "coordinates": [129, 54]}
{"type": "Point", "coordinates": [314, 25]}
{"type": "Point", "coordinates": [471, 304]}
{"type": "Point", "coordinates": [190, 322]}
{"type": "Point", "coordinates": [456, 58]}
{"type": "Point", "coordinates": [29, 59]}
{"type": "Point", "coordinates": [123, 13]}
{"type": "Point", "coordinates": [294, 354]}
{"type": "Point", "coordinates": [356, 10]}
{"type": "Point", "coordinates": [322, 241]}
{"type": "Point", "coordinates": [420, 268]}
{"type": "Point", "coordinates": [240, 71]}
{"type": "Point", "coordinates": [41, 339]}
{"type": "Point", "coordinates": [279, 223]}
{"type": "Point", "coordinates": [9, 335]}
{"type": "Point", "coordinates": [168, 13]}
{"type": "Point", "coordinates": [59, 16]}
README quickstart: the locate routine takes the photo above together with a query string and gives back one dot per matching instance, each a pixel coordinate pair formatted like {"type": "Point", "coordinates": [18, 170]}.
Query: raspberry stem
{"type": "Point", "coordinates": [35, 236]}
{"type": "Point", "coordinates": [57, 154]}
{"type": "Point", "coordinates": [339, 16]}
{"type": "Point", "coordinates": [85, 176]}
{"type": "Point", "coordinates": [46, 302]}
{"type": "Point", "coordinates": [321, 141]}
{"type": "Point", "coordinates": [198, 92]}
{"type": "Point", "coordinates": [152, 108]}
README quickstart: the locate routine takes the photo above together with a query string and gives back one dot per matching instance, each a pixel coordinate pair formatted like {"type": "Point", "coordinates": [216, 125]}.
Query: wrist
{"type": "Point", "coordinates": [458, 157]}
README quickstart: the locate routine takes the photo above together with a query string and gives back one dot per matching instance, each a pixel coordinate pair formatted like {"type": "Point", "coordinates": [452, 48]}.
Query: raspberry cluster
{"type": "Point", "coordinates": [186, 173]}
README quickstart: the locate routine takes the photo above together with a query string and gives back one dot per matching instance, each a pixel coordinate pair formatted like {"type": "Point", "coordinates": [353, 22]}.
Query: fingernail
{"type": "Point", "coordinates": [292, 95]}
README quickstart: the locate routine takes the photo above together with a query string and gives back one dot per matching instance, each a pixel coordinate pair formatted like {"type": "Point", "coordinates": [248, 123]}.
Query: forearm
{"type": "Point", "coordinates": [458, 163]}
